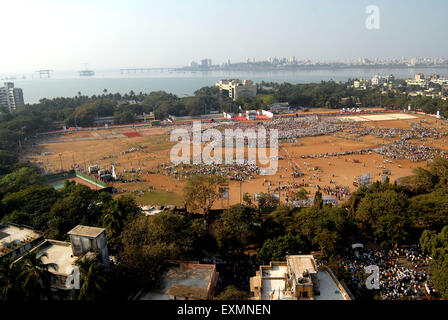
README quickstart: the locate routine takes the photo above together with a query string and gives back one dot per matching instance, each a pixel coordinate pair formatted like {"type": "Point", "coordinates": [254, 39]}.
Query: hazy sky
{"type": "Point", "coordinates": [107, 34]}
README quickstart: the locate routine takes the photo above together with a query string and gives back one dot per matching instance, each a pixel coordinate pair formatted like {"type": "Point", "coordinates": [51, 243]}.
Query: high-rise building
{"type": "Point", "coordinates": [206, 63]}
{"type": "Point", "coordinates": [11, 97]}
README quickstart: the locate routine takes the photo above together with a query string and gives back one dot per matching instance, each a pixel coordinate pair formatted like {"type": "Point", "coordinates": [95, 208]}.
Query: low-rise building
{"type": "Point", "coordinates": [85, 242]}
{"type": "Point", "coordinates": [297, 278]}
{"type": "Point", "coordinates": [378, 80]}
{"type": "Point", "coordinates": [280, 107]}
{"type": "Point", "coordinates": [188, 280]}
{"type": "Point", "coordinates": [16, 240]}
{"type": "Point", "coordinates": [85, 239]}
{"type": "Point", "coordinates": [416, 82]}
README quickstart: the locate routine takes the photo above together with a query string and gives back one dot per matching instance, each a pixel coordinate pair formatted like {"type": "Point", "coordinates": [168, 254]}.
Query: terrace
{"type": "Point", "coordinates": [186, 280]}
{"type": "Point", "coordinates": [16, 240]}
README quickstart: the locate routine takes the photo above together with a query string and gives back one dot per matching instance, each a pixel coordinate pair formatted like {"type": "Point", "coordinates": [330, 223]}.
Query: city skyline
{"type": "Point", "coordinates": [110, 35]}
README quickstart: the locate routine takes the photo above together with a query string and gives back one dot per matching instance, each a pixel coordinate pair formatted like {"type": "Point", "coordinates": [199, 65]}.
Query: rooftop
{"type": "Point", "coordinates": [272, 282]}
{"type": "Point", "coordinates": [328, 288]}
{"type": "Point", "coordinates": [12, 236]}
{"type": "Point", "coordinates": [190, 280]}
{"type": "Point", "coordinates": [301, 264]}
{"type": "Point", "coordinates": [85, 231]}
{"type": "Point", "coordinates": [59, 253]}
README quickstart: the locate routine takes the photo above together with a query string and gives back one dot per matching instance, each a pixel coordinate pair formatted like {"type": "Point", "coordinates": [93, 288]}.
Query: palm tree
{"type": "Point", "coordinates": [114, 218]}
{"type": "Point", "coordinates": [36, 277]}
{"type": "Point", "coordinates": [93, 279]}
{"type": "Point", "coordinates": [10, 286]}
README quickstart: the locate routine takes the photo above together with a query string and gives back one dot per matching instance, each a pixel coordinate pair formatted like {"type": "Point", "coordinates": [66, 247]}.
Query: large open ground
{"type": "Point", "coordinates": [144, 149]}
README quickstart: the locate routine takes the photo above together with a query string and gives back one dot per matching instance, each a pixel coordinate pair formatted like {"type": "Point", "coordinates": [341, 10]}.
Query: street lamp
{"type": "Point", "coordinates": [60, 158]}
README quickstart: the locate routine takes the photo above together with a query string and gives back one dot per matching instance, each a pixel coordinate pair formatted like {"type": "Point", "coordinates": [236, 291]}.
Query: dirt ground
{"type": "Point", "coordinates": [105, 147]}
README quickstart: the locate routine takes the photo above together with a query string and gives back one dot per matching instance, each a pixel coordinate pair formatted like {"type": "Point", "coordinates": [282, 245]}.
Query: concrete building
{"type": "Point", "coordinates": [187, 280]}
{"type": "Point", "coordinates": [60, 253]}
{"type": "Point", "coordinates": [378, 80]}
{"type": "Point", "coordinates": [237, 88]}
{"type": "Point", "coordinates": [86, 242]}
{"type": "Point", "coordinates": [11, 97]}
{"type": "Point", "coordinates": [297, 278]}
{"type": "Point", "coordinates": [16, 240]}
{"type": "Point", "coordinates": [280, 107]}
{"type": "Point", "coordinates": [419, 76]}
{"type": "Point", "coordinates": [206, 63]}
{"type": "Point", "coordinates": [85, 239]}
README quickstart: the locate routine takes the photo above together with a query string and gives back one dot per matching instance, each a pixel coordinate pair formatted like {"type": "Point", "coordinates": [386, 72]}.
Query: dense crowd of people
{"type": "Point", "coordinates": [237, 172]}
{"type": "Point", "coordinates": [337, 154]}
{"type": "Point", "coordinates": [290, 129]}
{"type": "Point", "coordinates": [402, 149]}
{"type": "Point", "coordinates": [339, 192]}
{"type": "Point", "coordinates": [399, 278]}
{"type": "Point", "coordinates": [418, 131]}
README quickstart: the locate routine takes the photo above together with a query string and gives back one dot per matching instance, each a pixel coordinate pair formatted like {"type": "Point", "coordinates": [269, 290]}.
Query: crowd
{"type": "Point", "coordinates": [399, 149]}
{"type": "Point", "coordinates": [418, 131]}
{"type": "Point", "coordinates": [338, 154]}
{"type": "Point", "coordinates": [402, 149]}
{"type": "Point", "coordinates": [337, 191]}
{"type": "Point", "coordinates": [238, 172]}
{"type": "Point", "coordinates": [291, 128]}
{"type": "Point", "coordinates": [133, 149]}
{"type": "Point", "coordinates": [402, 271]}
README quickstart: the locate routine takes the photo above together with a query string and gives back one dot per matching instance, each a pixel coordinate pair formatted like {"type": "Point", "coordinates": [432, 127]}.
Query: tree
{"type": "Point", "coordinates": [436, 244]}
{"type": "Point", "coordinates": [117, 213]}
{"type": "Point", "coordinates": [267, 201]}
{"type": "Point", "coordinates": [29, 206]}
{"type": "Point", "coordinates": [124, 117]}
{"type": "Point", "coordinates": [36, 276]}
{"type": "Point", "coordinates": [20, 179]}
{"type": "Point", "coordinates": [422, 181]}
{"type": "Point", "coordinates": [300, 194]}
{"type": "Point", "coordinates": [232, 293]}
{"type": "Point", "coordinates": [325, 229]}
{"type": "Point", "coordinates": [10, 276]}
{"type": "Point", "coordinates": [147, 242]}
{"type": "Point", "coordinates": [247, 198]}
{"type": "Point", "coordinates": [277, 249]}
{"type": "Point", "coordinates": [384, 214]}
{"type": "Point", "coordinates": [279, 222]}
{"type": "Point", "coordinates": [201, 192]}
{"type": "Point", "coordinates": [94, 281]}
{"type": "Point", "coordinates": [236, 228]}
{"type": "Point", "coordinates": [78, 204]}
{"type": "Point", "coordinates": [430, 211]}
{"type": "Point", "coordinates": [318, 201]}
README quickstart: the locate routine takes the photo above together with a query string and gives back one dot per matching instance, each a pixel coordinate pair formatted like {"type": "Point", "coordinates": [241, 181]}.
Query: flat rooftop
{"type": "Point", "coordinates": [277, 271]}
{"type": "Point", "coordinates": [183, 281]}
{"type": "Point", "coordinates": [14, 236]}
{"type": "Point", "coordinates": [301, 263]}
{"type": "Point", "coordinates": [60, 253]}
{"type": "Point", "coordinates": [328, 288]}
{"type": "Point", "coordinates": [85, 231]}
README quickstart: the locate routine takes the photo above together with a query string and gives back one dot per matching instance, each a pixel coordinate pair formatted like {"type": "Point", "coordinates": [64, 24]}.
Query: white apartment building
{"type": "Point", "coordinates": [11, 97]}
